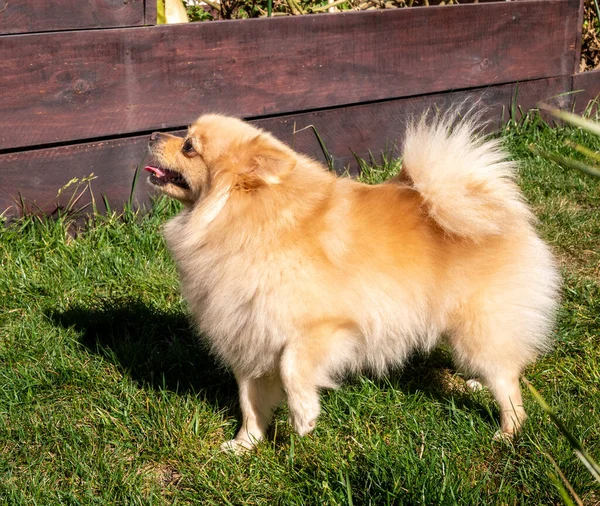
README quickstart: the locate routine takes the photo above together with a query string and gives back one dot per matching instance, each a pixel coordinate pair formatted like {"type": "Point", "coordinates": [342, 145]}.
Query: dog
{"type": "Point", "coordinates": [297, 277]}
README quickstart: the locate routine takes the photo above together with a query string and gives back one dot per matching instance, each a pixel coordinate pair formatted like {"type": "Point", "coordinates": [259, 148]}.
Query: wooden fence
{"type": "Point", "coordinates": [83, 84]}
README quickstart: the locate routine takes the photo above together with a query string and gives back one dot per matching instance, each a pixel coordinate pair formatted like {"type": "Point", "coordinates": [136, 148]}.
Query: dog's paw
{"type": "Point", "coordinates": [474, 385]}
{"type": "Point", "coordinates": [302, 425]}
{"type": "Point", "coordinates": [236, 447]}
{"type": "Point", "coordinates": [304, 417]}
{"type": "Point", "coordinates": [503, 437]}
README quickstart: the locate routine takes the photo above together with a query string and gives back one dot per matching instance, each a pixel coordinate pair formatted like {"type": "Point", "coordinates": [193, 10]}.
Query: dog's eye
{"type": "Point", "coordinates": [188, 148]}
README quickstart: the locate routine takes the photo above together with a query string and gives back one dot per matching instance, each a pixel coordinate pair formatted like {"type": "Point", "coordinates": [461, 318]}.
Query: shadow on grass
{"type": "Point", "coordinates": [434, 375]}
{"type": "Point", "coordinates": [161, 350]}
{"type": "Point", "coordinates": [156, 348]}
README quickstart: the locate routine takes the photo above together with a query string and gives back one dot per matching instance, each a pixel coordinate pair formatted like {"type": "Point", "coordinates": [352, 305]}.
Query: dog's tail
{"type": "Point", "coordinates": [464, 178]}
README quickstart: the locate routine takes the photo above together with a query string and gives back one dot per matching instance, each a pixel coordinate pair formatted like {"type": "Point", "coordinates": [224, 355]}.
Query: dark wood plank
{"type": "Point", "coordinates": [586, 87]}
{"type": "Point", "coordinates": [37, 175]}
{"type": "Point", "coordinates": [26, 16]}
{"type": "Point", "coordinates": [83, 85]}
{"type": "Point", "coordinates": [150, 12]}
{"type": "Point", "coordinates": [374, 128]}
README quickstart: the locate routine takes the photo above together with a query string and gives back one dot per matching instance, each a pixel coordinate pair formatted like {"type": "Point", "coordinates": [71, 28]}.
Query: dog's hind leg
{"type": "Point", "coordinates": [258, 399]}
{"type": "Point", "coordinates": [496, 358]}
{"type": "Point", "coordinates": [503, 383]}
{"type": "Point", "coordinates": [507, 393]}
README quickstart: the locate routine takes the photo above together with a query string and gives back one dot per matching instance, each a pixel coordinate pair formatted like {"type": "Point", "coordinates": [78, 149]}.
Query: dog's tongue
{"type": "Point", "coordinates": [155, 170]}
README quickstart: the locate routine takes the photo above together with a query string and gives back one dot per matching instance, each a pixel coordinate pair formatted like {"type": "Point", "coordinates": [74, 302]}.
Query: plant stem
{"type": "Point", "coordinates": [292, 7]}
{"type": "Point", "coordinates": [214, 5]}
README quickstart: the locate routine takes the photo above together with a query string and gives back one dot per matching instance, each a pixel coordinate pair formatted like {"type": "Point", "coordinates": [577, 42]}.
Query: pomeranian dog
{"type": "Point", "coordinates": [297, 277]}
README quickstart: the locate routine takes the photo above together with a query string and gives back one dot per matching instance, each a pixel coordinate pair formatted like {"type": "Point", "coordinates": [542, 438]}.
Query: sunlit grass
{"type": "Point", "coordinates": [106, 397]}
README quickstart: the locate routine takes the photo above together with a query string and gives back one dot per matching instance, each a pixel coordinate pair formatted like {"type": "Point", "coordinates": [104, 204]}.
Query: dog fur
{"type": "Point", "coordinates": [297, 277]}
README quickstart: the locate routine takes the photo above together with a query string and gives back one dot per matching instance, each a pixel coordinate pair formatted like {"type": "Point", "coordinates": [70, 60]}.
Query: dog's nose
{"type": "Point", "coordinates": [154, 137]}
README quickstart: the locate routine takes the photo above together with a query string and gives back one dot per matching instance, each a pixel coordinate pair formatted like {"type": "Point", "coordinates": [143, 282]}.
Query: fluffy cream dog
{"type": "Point", "coordinates": [297, 277]}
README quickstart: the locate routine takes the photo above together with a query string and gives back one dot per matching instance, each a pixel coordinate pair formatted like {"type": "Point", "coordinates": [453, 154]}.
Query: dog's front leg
{"type": "Point", "coordinates": [325, 351]}
{"type": "Point", "coordinates": [258, 399]}
{"type": "Point", "coordinates": [302, 391]}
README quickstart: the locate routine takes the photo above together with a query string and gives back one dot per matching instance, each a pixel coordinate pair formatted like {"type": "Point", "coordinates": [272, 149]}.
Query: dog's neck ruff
{"type": "Point", "coordinates": [208, 209]}
{"type": "Point", "coordinates": [196, 220]}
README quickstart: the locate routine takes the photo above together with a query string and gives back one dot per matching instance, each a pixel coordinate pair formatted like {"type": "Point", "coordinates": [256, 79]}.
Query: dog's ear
{"type": "Point", "coordinates": [265, 163]}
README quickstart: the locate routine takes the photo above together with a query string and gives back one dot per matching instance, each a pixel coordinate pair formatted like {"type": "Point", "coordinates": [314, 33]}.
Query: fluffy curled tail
{"type": "Point", "coordinates": [465, 179]}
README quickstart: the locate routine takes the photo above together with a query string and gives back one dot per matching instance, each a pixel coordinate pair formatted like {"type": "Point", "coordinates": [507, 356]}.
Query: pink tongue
{"type": "Point", "coordinates": [155, 170]}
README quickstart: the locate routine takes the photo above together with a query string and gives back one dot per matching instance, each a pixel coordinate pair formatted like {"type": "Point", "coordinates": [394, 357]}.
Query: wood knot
{"type": "Point", "coordinates": [81, 86]}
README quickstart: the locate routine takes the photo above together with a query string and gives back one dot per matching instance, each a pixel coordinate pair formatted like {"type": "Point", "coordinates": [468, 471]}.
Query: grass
{"type": "Point", "coordinates": [107, 398]}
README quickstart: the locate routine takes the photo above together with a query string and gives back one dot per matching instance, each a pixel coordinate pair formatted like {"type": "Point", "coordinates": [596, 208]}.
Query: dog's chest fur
{"type": "Point", "coordinates": [231, 297]}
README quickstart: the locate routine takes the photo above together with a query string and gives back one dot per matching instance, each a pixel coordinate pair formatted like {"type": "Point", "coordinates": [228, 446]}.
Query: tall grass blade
{"type": "Point", "coordinates": [565, 484]}
{"type": "Point", "coordinates": [561, 490]}
{"type": "Point", "coordinates": [362, 164]}
{"type": "Point", "coordinates": [92, 199]}
{"type": "Point", "coordinates": [326, 154]}
{"type": "Point", "coordinates": [513, 105]}
{"type": "Point", "coordinates": [106, 204]}
{"type": "Point", "coordinates": [573, 119]}
{"type": "Point", "coordinates": [580, 451]}
{"type": "Point", "coordinates": [563, 161]}
{"type": "Point", "coordinates": [136, 174]}
{"type": "Point", "coordinates": [584, 151]}
{"type": "Point", "coordinates": [292, 451]}
{"type": "Point", "coordinates": [349, 491]}
{"type": "Point", "coordinates": [346, 482]}
{"type": "Point", "coordinates": [589, 110]}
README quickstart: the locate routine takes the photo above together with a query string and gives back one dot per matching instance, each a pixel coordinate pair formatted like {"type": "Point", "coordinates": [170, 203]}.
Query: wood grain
{"type": "Point", "coordinates": [370, 128]}
{"type": "Point", "coordinates": [25, 16]}
{"type": "Point", "coordinates": [60, 87]}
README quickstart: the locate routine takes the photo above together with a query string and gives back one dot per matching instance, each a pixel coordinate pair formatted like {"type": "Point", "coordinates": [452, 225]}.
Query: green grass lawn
{"type": "Point", "coordinates": [106, 397]}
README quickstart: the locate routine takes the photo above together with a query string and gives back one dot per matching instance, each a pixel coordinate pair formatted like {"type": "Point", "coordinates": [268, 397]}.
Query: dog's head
{"type": "Point", "coordinates": [217, 148]}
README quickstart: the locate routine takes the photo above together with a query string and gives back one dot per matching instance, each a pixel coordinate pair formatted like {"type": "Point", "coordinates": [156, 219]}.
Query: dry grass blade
{"type": "Point", "coordinates": [567, 484]}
